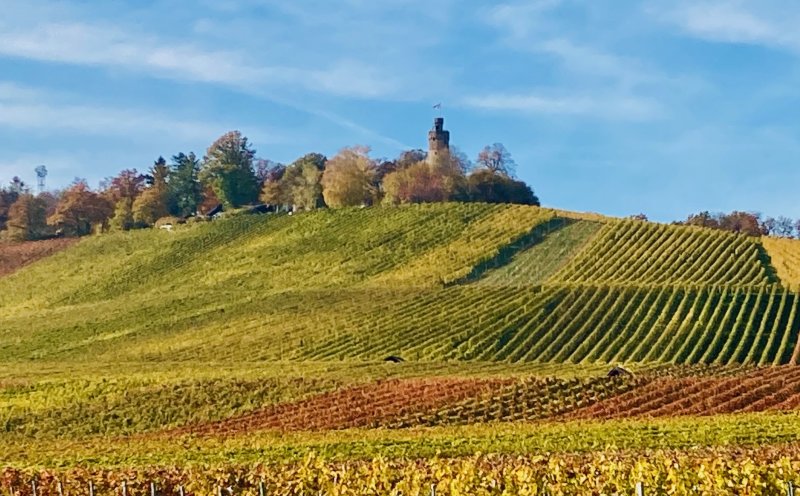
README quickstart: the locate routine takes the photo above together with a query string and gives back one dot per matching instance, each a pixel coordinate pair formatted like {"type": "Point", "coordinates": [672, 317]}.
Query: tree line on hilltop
{"type": "Point", "coordinates": [749, 223]}
{"type": "Point", "coordinates": [230, 175]}
{"type": "Point", "coordinates": [746, 223]}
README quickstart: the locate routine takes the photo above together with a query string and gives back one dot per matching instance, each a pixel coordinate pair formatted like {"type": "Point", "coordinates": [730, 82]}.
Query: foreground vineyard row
{"type": "Point", "coordinates": [744, 472]}
{"type": "Point", "coordinates": [578, 324]}
{"type": "Point", "coordinates": [451, 401]}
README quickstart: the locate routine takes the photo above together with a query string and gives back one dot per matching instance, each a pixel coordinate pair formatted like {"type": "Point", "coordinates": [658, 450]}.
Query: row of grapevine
{"type": "Point", "coordinates": [784, 255]}
{"type": "Point", "coordinates": [577, 324]}
{"type": "Point", "coordinates": [529, 399]}
{"type": "Point", "coordinates": [536, 264]}
{"type": "Point", "coordinates": [416, 244]}
{"type": "Point", "coordinates": [431, 323]}
{"type": "Point", "coordinates": [646, 253]}
{"type": "Point", "coordinates": [403, 403]}
{"type": "Point", "coordinates": [369, 405]}
{"type": "Point", "coordinates": [427, 402]}
{"type": "Point", "coordinates": [719, 471]}
{"type": "Point", "coordinates": [774, 388]}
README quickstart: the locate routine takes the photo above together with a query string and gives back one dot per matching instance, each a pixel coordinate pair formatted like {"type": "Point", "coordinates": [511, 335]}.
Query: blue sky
{"type": "Point", "coordinates": [613, 106]}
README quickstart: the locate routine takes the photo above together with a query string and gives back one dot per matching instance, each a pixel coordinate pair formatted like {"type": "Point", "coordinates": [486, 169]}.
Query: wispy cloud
{"type": "Point", "coordinates": [521, 20]}
{"type": "Point", "coordinates": [296, 56]}
{"type": "Point", "coordinates": [605, 107]}
{"type": "Point", "coordinates": [98, 45]}
{"type": "Point", "coordinates": [587, 79]}
{"type": "Point", "coordinates": [771, 23]}
{"type": "Point", "coordinates": [10, 91]}
{"type": "Point", "coordinates": [585, 60]}
{"type": "Point", "coordinates": [29, 108]}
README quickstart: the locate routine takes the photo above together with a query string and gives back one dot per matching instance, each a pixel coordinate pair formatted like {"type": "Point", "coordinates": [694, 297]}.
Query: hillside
{"type": "Point", "coordinates": [251, 350]}
{"type": "Point", "coordinates": [14, 256]}
{"type": "Point", "coordinates": [427, 283]}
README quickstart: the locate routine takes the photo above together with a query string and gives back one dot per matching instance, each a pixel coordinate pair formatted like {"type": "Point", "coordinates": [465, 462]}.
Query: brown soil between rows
{"type": "Point", "coordinates": [774, 388]}
{"type": "Point", "coordinates": [398, 403]}
{"type": "Point", "coordinates": [14, 256]}
{"type": "Point", "coordinates": [360, 406]}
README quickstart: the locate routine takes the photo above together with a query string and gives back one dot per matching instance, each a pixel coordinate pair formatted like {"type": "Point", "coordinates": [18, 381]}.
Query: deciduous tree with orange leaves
{"type": "Point", "coordinates": [80, 210]}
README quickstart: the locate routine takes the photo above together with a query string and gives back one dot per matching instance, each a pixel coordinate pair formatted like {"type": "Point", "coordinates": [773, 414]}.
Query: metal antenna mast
{"type": "Point", "coordinates": [41, 174]}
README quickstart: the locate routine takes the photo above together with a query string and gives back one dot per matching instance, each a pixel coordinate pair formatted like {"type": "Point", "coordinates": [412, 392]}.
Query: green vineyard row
{"type": "Point", "coordinates": [578, 324]}
{"type": "Point", "coordinates": [647, 253]}
{"type": "Point", "coordinates": [425, 282]}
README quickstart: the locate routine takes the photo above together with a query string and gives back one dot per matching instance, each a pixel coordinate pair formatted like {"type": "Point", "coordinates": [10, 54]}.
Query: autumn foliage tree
{"type": "Point", "coordinates": [428, 180]}
{"type": "Point", "coordinates": [154, 201]}
{"type": "Point", "coordinates": [7, 198]}
{"type": "Point", "coordinates": [782, 227]}
{"type": "Point", "coordinates": [747, 223]}
{"type": "Point", "coordinates": [27, 218]}
{"type": "Point", "coordinates": [489, 186]}
{"type": "Point", "coordinates": [305, 181]}
{"type": "Point", "coordinates": [228, 169]}
{"type": "Point", "coordinates": [229, 175]}
{"type": "Point", "coordinates": [497, 159]}
{"type": "Point", "coordinates": [297, 186]}
{"type": "Point", "coordinates": [122, 191]}
{"type": "Point", "coordinates": [350, 178]}
{"type": "Point", "coordinates": [80, 209]}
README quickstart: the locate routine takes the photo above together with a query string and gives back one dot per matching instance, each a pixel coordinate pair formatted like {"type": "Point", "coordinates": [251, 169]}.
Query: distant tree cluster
{"type": "Point", "coordinates": [352, 178]}
{"type": "Point", "coordinates": [748, 223]}
{"type": "Point", "coordinates": [230, 175]}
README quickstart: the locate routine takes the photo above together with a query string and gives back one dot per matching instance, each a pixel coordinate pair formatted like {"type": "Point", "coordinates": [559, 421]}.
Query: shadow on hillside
{"type": "Point", "coordinates": [766, 261]}
{"type": "Point", "coordinates": [506, 254]}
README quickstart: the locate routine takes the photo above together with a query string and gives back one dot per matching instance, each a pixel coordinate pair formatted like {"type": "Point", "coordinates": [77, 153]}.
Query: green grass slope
{"type": "Point", "coordinates": [430, 283]}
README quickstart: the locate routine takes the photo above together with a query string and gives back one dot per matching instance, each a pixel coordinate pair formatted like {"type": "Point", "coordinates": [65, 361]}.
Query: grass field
{"type": "Point", "coordinates": [261, 340]}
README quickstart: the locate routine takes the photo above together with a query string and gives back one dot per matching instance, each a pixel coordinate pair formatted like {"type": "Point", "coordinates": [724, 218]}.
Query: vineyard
{"type": "Point", "coordinates": [379, 350]}
{"type": "Point", "coordinates": [576, 324]}
{"type": "Point", "coordinates": [14, 256]}
{"type": "Point", "coordinates": [749, 472]}
{"type": "Point", "coordinates": [439, 401]}
{"type": "Point", "coordinates": [785, 257]}
{"type": "Point", "coordinates": [637, 252]}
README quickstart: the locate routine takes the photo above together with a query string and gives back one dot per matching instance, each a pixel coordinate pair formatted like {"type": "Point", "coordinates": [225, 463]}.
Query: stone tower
{"type": "Point", "coordinates": [438, 139]}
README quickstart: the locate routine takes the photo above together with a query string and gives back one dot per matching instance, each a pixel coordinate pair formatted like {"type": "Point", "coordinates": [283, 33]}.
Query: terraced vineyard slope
{"type": "Point", "coordinates": [785, 257]}
{"type": "Point", "coordinates": [426, 283]}
{"type": "Point", "coordinates": [646, 253]}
